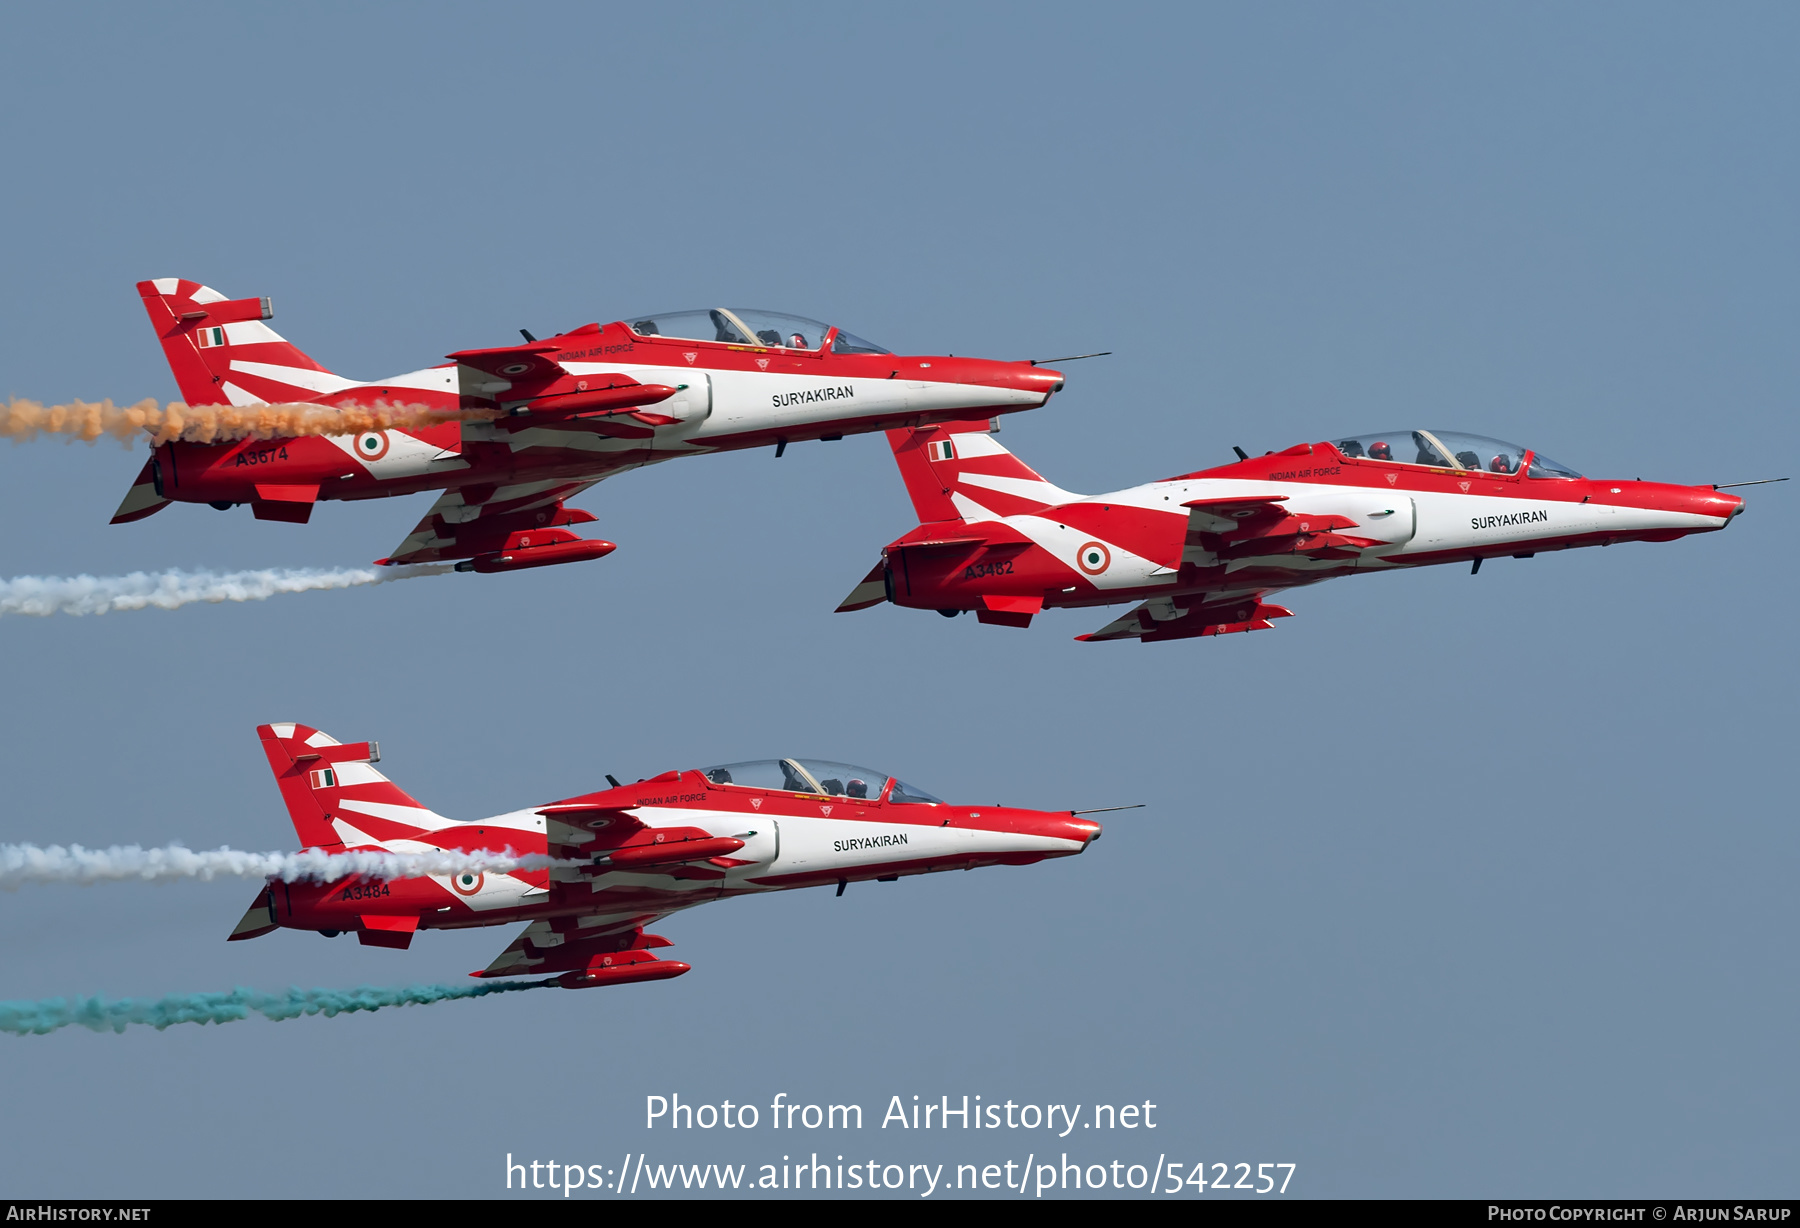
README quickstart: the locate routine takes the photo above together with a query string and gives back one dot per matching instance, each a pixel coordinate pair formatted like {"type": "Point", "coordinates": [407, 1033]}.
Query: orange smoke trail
{"type": "Point", "coordinates": [21, 421]}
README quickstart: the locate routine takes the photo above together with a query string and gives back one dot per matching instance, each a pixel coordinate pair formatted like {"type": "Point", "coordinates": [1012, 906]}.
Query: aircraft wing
{"type": "Point", "coordinates": [1234, 515]}
{"type": "Point", "coordinates": [529, 363]}
{"type": "Point", "coordinates": [1222, 529]}
{"type": "Point", "coordinates": [564, 944]}
{"type": "Point", "coordinates": [1209, 520]}
{"type": "Point", "coordinates": [1164, 618]}
{"type": "Point", "coordinates": [457, 529]}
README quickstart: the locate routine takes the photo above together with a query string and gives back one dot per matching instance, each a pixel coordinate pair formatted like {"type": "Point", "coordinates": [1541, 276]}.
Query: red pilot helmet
{"type": "Point", "coordinates": [1380, 451]}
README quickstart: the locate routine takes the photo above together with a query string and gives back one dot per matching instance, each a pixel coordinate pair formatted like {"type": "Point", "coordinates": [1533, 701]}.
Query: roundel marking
{"type": "Point", "coordinates": [372, 445]}
{"type": "Point", "coordinates": [1093, 558]}
{"type": "Point", "coordinates": [515, 368]}
{"type": "Point", "coordinates": [467, 883]}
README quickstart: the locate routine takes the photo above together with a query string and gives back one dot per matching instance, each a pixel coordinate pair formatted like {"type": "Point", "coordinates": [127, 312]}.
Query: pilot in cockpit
{"type": "Point", "coordinates": [1502, 463]}
{"type": "Point", "coordinates": [856, 788]}
{"type": "Point", "coordinates": [798, 342]}
{"type": "Point", "coordinates": [1379, 450]}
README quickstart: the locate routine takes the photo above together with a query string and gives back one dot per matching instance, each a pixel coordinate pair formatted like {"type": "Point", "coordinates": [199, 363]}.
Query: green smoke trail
{"type": "Point", "coordinates": [99, 1015]}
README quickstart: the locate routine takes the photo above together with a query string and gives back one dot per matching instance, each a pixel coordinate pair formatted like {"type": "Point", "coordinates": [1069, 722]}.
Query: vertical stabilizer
{"type": "Point", "coordinates": [222, 352]}
{"type": "Point", "coordinates": [334, 795]}
{"type": "Point", "coordinates": [959, 471]}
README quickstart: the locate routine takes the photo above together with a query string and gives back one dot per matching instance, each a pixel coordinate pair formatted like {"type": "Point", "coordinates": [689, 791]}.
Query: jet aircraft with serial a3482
{"type": "Point", "coordinates": [1201, 552]}
{"type": "Point", "coordinates": [625, 856]}
{"type": "Point", "coordinates": [566, 412]}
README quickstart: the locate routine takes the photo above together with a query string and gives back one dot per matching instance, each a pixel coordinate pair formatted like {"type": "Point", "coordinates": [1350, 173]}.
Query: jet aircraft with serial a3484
{"type": "Point", "coordinates": [1201, 552]}
{"type": "Point", "coordinates": [567, 412]}
{"type": "Point", "coordinates": [626, 856]}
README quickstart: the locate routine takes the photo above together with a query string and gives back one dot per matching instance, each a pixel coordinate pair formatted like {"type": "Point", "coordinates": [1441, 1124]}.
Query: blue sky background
{"type": "Point", "coordinates": [1449, 886]}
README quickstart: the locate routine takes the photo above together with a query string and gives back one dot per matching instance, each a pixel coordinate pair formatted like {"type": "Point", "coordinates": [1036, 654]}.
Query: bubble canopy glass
{"type": "Point", "coordinates": [749, 326]}
{"type": "Point", "coordinates": [821, 776]}
{"type": "Point", "coordinates": [1448, 450]}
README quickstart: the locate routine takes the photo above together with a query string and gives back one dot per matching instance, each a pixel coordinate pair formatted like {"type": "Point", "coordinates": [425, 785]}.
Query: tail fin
{"type": "Point", "coordinates": [959, 471]}
{"type": "Point", "coordinates": [221, 351]}
{"type": "Point", "coordinates": [334, 795]}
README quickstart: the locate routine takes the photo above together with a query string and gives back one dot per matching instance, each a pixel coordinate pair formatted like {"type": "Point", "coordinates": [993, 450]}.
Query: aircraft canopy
{"type": "Point", "coordinates": [1449, 450]}
{"type": "Point", "coordinates": [750, 326]}
{"type": "Point", "coordinates": [820, 776]}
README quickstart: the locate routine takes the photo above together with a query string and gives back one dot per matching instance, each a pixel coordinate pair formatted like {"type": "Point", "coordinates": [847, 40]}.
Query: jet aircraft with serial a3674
{"type": "Point", "coordinates": [1202, 551]}
{"type": "Point", "coordinates": [567, 412]}
{"type": "Point", "coordinates": [626, 856]}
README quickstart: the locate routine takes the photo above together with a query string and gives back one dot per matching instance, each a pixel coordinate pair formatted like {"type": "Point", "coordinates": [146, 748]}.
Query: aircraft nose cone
{"type": "Point", "coordinates": [1090, 829]}
{"type": "Point", "coordinates": [1710, 502]}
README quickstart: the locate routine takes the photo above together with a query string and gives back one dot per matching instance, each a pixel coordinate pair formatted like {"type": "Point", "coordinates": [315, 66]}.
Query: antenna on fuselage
{"type": "Point", "coordinates": [1105, 809]}
{"type": "Point", "coordinates": [523, 333]}
{"type": "Point", "coordinates": [1242, 455]}
{"type": "Point", "coordinates": [1729, 485]}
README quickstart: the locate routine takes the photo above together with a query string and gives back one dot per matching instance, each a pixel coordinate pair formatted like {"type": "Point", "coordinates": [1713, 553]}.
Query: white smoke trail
{"type": "Point", "coordinates": [22, 864]}
{"type": "Point", "coordinates": [100, 1015]}
{"type": "Point", "coordinates": [42, 596]}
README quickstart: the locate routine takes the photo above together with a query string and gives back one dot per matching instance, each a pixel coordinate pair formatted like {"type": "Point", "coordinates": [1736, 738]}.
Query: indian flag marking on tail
{"type": "Point", "coordinates": [941, 450]}
{"type": "Point", "coordinates": [210, 337]}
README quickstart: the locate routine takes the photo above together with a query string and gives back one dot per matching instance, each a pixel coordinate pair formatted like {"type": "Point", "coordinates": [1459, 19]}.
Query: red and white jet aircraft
{"type": "Point", "coordinates": [644, 851]}
{"type": "Point", "coordinates": [1201, 552]}
{"type": "Point", "coordinates": [575, 408]}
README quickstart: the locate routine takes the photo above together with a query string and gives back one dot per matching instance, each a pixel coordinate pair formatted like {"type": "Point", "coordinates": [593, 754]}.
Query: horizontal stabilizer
{"type": "Point", "coordinates": [142, 499]}
{"type": "Point", "coordinates": [935, 541]}
{"type": "Point", "coordinates": [871, 590]}
{"type": "Point", "coordinates": [258, 919]}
